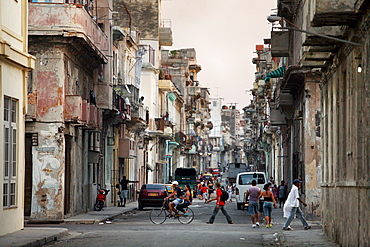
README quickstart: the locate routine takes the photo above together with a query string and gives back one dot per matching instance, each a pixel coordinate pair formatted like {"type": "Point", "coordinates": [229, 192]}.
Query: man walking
{"type": "Point", "coordinates": [219, 205]}
{"type": "Point", "coordinates": [291, 207]}
{"type": "Point", "coordinates": [124, 191]}
{"type": "Point", "coordinates": [253, 193]}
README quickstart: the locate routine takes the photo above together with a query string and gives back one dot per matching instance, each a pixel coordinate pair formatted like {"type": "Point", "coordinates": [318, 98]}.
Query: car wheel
{"type": "Point", "coordinates": [239, 206]}
{"type": "Point", "coordinates": [140, 207]}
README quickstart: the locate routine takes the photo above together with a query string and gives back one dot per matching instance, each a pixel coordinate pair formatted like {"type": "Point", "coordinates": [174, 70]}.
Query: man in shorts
{"type": "Point", "coordinates": [179, 197]}
{"type": "Point", "coordinates": [253, 193]}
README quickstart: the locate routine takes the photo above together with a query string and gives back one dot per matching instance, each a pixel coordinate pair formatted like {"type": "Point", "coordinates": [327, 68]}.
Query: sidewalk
{"type": "Point", "coordinates": [38, 236]}
{"type": "Point", "coordinates": [297, 237]}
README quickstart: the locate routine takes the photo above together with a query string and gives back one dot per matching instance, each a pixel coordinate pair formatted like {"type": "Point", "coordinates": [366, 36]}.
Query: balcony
{"type": "Point", "coordinates": [73, 108]}
{"type": "Point", "coordinates": [165, 36]}
{"type": "Point", "coordinates": [126, 148]}
{"type": "Point", "coordinates": [205, 94]}
{"type": "Point", "coordinates": [193, 90]}
{"type": "Point", "coordinates": [140, 114]}
{"type": "Point", "coordinates": [160, 124]}
{"type": "Point", "coordinates": [166, 85]}
{"type": "Point", "coordinates": [277, 117]}
{"type": "Point", "coordinates": [336, 12]}
{"type": "Point", "coordinates": [313, 40]}
{"type": "Point", "coordinates": [316, 59]}
{"type": "Point", "coordinates": [285, 8]}
{"type": "Point", "coordinates": [76, 110]}
{"type": "Point", "coordinates": [280, 44]}
{"type": "Point", "coordinates": [80, 112]}
{"type": "Point", "coordinates": [67, 21]}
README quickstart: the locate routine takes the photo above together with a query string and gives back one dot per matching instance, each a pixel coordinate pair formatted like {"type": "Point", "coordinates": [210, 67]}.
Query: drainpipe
{"type": "Point", "coordinates": [291, 154]}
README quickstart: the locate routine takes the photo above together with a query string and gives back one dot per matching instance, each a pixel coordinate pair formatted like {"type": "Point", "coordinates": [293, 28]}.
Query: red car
{"type": "Point", "coordinates": [152, 195]}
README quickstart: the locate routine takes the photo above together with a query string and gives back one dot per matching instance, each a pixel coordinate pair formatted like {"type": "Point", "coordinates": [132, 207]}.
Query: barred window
{"type": "Point", "coordinates": [10, 152]}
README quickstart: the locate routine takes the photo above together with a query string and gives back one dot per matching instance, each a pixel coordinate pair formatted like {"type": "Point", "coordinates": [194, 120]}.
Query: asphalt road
{"type": "Point", "coordinates": [135, 229]}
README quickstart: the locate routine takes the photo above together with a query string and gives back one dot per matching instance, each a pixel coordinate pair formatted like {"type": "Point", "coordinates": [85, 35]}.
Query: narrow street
{"type": "Point", "coordinates": [111, 101]}
{"type": "Point", "coordinates": [135, 229]}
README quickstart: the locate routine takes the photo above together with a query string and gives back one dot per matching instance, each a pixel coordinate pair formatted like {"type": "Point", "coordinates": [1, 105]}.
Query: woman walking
{"type": "Point", "coordinates": [269, 202]}
{"type": "Point", "coordinates": [282, 193]}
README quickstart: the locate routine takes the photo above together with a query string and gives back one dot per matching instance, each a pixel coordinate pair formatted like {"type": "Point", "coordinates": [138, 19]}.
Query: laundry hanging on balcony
{"type": "Point", "coordinates": [275, 74]}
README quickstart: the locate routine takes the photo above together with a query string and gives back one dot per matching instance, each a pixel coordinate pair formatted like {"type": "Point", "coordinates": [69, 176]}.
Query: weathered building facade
{"type": "Point", "coordinates": [193, 125]}
{"type": "Point", "coordinates": [286, 116]}
{"type": "Point", "coordinates": [328, 42]}
{"type": "Point", "coordinates": [65, 117]}
{"type": "Point", "coordinates": [15, 63]}
{"type": "Point", "coordinates": [145, 17]}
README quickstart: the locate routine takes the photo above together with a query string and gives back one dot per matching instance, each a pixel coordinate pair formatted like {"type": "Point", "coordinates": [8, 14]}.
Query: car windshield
{"type": "Point", "coordinates": [153, 187]}
{"type": "Point", "coordinates": [248, 178]}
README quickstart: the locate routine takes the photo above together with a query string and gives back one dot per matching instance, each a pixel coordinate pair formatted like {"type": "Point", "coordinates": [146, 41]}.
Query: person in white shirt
{"type": "Point", "coordinates": [291, 207]}
{"type": "Point", "coordinates": [230, 191]}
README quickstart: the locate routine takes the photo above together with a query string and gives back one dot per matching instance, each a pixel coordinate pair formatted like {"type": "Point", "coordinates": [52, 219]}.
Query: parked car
{"type": "Point", "coordinates": [152, 195]}
{"type": "Point", "coordinates": [243, 182]}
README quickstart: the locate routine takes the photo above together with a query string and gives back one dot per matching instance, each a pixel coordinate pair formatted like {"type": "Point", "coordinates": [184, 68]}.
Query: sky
{"type": "Point", "coordinates": [224, 34]}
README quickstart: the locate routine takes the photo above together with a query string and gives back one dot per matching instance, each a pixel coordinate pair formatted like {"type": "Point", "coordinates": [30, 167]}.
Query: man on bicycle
{"type": "Point", "coordinates": [179, 197]}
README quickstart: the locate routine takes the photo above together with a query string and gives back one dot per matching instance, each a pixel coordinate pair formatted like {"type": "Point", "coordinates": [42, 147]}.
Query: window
{"type": "Point", "coordinates": [151, 55]}
{"type": "Point", "coordinates": [10, 152]}
{"type": "Point", "coordinates": [246, 179]}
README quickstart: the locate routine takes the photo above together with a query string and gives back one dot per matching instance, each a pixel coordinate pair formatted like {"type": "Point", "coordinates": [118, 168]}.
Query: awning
{"type": "Point", "coordinates": [275, 74]}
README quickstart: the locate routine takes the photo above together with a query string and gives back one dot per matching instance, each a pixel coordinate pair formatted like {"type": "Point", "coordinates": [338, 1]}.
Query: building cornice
{"type": "Point", "coordinates": [7, 52]}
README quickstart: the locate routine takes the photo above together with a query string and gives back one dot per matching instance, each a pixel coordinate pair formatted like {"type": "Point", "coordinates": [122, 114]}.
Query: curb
{"type": "Point", "coordinates": [33, 237]}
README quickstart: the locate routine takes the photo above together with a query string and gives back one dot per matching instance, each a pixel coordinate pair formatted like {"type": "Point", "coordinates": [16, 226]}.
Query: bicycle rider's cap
{"type": "Point", "coordinates": [175, 182]}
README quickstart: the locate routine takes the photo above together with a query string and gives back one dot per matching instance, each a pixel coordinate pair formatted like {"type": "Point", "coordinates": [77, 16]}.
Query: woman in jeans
{"type": "Point", "coordinates": [269, 202]}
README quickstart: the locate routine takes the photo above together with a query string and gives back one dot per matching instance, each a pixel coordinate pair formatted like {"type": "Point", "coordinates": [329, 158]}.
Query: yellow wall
{"type": "Point", "coordinates": [14, 65]}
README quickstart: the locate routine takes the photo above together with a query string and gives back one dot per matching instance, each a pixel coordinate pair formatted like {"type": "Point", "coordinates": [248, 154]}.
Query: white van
{"type": "Point", "coordinates": [244, 181]}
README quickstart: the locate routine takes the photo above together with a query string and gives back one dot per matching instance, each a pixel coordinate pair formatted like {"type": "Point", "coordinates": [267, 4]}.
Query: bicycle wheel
{"type": "Point", "coordinates": [186, 219]}
{"type": "Point", "coordinates": [158, 216]}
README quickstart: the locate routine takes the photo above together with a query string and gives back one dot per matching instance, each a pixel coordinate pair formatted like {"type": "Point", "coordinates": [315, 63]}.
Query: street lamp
{"type": "Point", "coordinates": [274, 18]}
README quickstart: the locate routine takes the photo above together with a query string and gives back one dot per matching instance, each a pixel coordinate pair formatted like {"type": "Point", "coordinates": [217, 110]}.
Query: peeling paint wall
{"type": "Point", "coordinates": [312, 144]}
{"type": "Point", "coordinates": [61, 70]}
{"type": "Point", "coordinates": [48, 173]}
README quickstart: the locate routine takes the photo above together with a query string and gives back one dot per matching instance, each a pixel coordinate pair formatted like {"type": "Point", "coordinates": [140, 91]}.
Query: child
{"type": "Point", "coordinates": [205, 192]}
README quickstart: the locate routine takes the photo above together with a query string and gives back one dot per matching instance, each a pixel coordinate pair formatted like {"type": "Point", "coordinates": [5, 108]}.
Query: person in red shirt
{"type": "Point", "coordinates": [205, 192]}
{"type": "Point", "coordinates": [219, 205]}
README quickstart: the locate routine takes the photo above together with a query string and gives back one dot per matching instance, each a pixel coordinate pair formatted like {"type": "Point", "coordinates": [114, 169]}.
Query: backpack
{"type": "Point", "coordinates": [224, 195]}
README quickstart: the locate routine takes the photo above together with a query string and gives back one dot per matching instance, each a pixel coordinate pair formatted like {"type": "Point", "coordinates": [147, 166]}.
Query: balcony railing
{"type": "Point", "coordinates": [160, 124]}
{"type": "Point", "coordinates": [79, 111]}
{"type": "Point", "coordinates": [140, 114]}
{"type": "Point", "coordinates": [126, 148]}
{"type": "Point", "coordinates": [165, 36]}
{"type": "Point", "coordinates": [67, 20]}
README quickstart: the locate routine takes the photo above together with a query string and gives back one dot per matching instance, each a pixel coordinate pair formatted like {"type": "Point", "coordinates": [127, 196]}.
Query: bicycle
{"type": "Point", "coordinates": [158, 216]}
